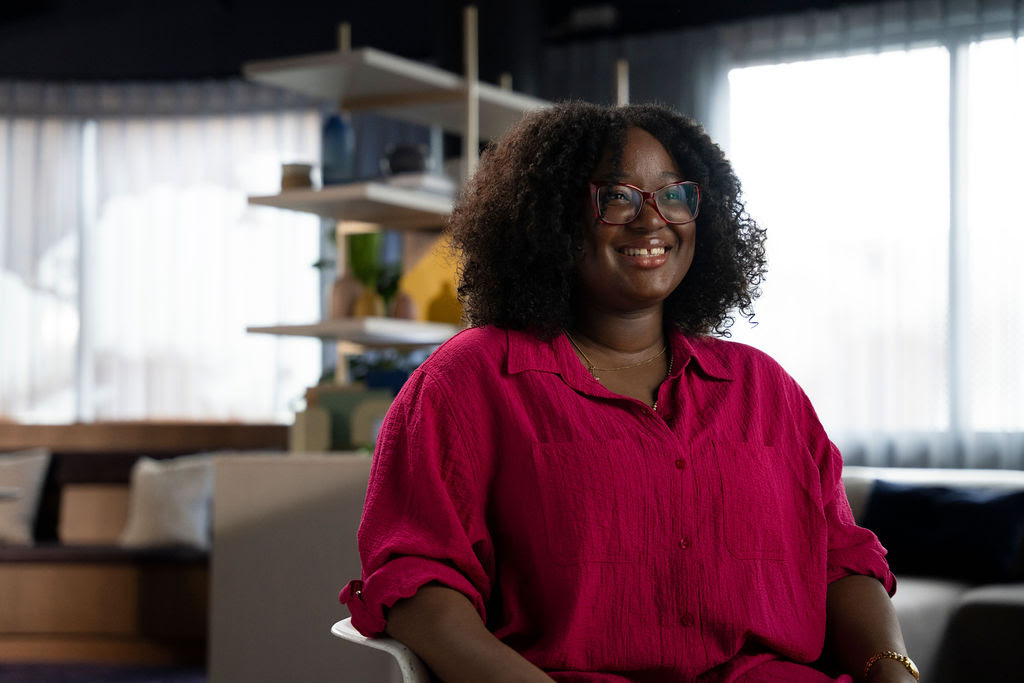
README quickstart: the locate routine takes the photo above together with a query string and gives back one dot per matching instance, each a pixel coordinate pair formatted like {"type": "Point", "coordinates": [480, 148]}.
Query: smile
{"type": "Point", "coordinates": [656, 251]}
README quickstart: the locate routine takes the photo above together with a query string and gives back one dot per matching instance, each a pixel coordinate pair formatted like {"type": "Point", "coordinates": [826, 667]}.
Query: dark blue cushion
{"type": "Point", "coordinates": [973, 534]}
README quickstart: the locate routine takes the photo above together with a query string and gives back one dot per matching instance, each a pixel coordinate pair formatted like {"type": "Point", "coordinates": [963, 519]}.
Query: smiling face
{"type": "Point", "coordinates": [633, 267]}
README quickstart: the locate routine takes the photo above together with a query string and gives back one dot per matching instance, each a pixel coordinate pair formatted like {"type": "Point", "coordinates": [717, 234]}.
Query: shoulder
{"type": "Point", "coordinates": [469, 362]}
{"type": "Point", "coordinates": [732, 355]}
{"type": "Point", "coordinates": [741, 363]}
{"type": "Point", "coordinates": [453, 381]}
{"type": "Point", "coordinates": [760, 380]}
{"type": "Point", "coordinates": [473, 349]}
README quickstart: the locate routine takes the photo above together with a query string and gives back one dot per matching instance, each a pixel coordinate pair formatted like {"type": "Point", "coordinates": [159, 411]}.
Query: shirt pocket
{"type": "Point", "coordinates": [768, 501]}
{"type": "Point", "coordinates": [593, 499]}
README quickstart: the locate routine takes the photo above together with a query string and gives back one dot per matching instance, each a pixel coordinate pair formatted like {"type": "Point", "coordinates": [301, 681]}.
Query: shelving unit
{"type": "Point", "coordinates": [367, 79]}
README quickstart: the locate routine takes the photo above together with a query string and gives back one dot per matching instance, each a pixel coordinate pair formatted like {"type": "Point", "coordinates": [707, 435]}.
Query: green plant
{"type": "Point", "coordinates": [364, 257]}
{"type": "Point", "coordinates": [387, 281]}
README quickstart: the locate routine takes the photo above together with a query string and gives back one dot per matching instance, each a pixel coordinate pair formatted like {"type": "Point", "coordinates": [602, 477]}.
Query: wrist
{"type": "Point", "coordinates": [889, 665]}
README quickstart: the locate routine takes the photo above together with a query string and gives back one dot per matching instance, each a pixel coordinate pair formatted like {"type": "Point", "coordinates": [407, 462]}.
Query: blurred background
{"type": "Point", "coordinates": [878, 143]}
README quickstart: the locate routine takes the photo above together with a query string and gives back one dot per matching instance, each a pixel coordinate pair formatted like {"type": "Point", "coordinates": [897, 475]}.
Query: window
{"type": "Point", "coordinates": [131, 264]}
{"type": "Point", "coordinates": [993, 236]}
{"type": "Point", "coordinates": [893, 294]}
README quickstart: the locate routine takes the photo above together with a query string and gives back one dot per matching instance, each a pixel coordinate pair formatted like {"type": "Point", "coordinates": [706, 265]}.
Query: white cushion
{"type": "Point", "coordinates": [169, 503]}
{"type": "Point", "coordinates": [21, 482]}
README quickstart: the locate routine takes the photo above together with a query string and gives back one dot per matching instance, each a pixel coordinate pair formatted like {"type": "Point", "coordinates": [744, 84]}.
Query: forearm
{"type": "Point", "coordinates": [861, 622]}
{"type": "Point", "coordinates": [442, 627]}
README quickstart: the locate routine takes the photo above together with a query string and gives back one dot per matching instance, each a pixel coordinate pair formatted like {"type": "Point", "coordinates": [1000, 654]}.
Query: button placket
{"type": "Point", "coordinates": [684, 541]}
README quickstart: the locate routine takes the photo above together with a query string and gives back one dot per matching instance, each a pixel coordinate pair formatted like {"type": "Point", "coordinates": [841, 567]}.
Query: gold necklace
{"type": "Point", "coordinates": [654, 406]}
{"type": "Point", "coordinates": [593, 368]}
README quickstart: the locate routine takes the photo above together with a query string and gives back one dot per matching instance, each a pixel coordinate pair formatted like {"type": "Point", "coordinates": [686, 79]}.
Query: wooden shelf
{"type": "Point", "coordinates": [370, 332]}
{"type": "Point", "coordinates": [147, 436]}
{"type": "Point", "coordinates": [369, 79]}
{"type": "Point", "coordinates": [369, 202]}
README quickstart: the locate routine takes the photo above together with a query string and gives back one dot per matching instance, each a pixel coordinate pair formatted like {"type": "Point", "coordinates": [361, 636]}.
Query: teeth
{"type": "Point", "coordinates": [657, 251]}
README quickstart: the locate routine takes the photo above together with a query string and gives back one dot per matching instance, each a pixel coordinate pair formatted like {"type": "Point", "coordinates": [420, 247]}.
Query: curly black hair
{"type": "Point", "coordinates": [517, 226]}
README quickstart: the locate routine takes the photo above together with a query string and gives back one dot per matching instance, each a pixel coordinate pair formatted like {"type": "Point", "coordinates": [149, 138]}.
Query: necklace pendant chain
{"type": "Point", "coordinates": [654, 406]}
{"type": "Point", "coordinates": [593, 368]}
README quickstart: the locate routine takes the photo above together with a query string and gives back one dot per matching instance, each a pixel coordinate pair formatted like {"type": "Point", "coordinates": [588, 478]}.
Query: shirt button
{"type": "Point", "coordinates": [684, 543]}
{"type": "Point", "coordinates": [687, 620]}
{"type": "Point", "coordinates": [680, 464]}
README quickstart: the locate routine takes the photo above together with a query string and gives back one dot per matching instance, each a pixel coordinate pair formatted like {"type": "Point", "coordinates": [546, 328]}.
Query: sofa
{"type": "Point", "coordinates": [284, 543]}
{"type": "Point", "coordinates": [95, 579]}
{"type": "Point", "coordinates": [956, 544]}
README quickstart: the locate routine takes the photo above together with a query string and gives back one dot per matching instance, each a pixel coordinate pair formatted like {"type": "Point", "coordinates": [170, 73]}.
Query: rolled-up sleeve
{"type": "Point", "coordinates": [852, 549]}
{"type": "Point", "coordinates": [424, 516]}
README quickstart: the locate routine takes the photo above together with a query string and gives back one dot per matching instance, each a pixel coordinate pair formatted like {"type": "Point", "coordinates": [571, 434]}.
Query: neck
{"type": "Point", "coordinates": [631, 333]}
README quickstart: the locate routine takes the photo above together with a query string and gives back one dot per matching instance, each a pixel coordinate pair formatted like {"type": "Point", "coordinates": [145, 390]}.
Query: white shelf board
{"type": "Point", "coordinates": [369, 202]}
{"type": "Point", "coordinates": [369, 79]}
{"type": "Point", "coordinates": [379, 332]}
{"type": "Point", "coordinates": [499, 109]}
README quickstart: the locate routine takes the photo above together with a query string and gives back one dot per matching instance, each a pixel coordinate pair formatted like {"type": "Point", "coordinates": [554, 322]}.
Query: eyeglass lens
{"type": "Point", "coordinates": [621, 204]}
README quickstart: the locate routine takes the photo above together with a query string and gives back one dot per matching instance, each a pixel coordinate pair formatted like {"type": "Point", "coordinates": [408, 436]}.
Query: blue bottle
{"type": "Point", "coordinates": [338, 153]}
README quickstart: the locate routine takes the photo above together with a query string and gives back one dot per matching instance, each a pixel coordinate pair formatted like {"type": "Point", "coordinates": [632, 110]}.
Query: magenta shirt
{"type": "Point", "coordinates": [600, 539]}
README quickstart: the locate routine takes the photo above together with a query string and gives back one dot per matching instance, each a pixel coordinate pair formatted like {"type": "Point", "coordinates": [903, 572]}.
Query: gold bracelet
{"type": "Point", "coordinates": [890, 654]}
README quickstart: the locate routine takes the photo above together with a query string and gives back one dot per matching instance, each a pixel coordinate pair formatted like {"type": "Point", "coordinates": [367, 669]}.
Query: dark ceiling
{"type": "Point", "coordinates": [143, 39]}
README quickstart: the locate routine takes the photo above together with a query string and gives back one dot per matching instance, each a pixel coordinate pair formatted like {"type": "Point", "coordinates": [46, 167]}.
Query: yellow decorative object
{"type": "Point", "coordinates": [445, 307]}
{"type": "Point", "coordinates": [369, 303]}
{"type": "Point", "coordinates": [430, 278]}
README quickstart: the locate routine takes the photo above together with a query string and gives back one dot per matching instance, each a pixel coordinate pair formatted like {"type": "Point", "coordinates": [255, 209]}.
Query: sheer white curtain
{"type": "Point", "coordinates": [993, 240]}
{"type": "Point", "coordinates": [879, 146]}
{"type": "Point", "coordinates": [852, 185]}
{"type": "Point", "coordinates": [40, 171]}
{"type": "Point", "coordinates": [131, 262]}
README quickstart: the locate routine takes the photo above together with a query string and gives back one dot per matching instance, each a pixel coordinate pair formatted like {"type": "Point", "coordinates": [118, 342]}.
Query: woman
{"type": "Point", "coordinates": [585, 486]}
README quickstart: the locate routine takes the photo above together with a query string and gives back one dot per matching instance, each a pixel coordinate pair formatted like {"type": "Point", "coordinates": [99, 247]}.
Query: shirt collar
{"type": "Point", "coordinates": [527, 352]}
{"type": "Point", "coordinates": [704, 351]}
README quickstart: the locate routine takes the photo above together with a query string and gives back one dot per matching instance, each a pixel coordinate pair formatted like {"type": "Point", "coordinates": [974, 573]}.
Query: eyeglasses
{"type": "Point", "coordinates": [619, 204]}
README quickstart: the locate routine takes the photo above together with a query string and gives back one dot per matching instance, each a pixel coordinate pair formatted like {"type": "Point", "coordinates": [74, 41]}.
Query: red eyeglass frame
{"type": "Point", "coordinates": [596, 184]}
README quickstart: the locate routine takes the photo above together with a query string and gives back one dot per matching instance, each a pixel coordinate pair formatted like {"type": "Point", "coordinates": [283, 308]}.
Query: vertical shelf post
{"type": "Point", "coordinates": [621, 82]}
{"type": "Point", "coordinates": [344, 37]}
{"type": "Point", "coordinates": [470, 58]}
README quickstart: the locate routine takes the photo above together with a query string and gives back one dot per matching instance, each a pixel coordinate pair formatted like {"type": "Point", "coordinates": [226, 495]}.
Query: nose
{"type": "Point", "coordinates": [649, 218]}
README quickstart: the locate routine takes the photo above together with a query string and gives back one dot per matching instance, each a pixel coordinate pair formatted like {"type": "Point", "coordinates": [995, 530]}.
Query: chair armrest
{"type": "Point", "coordinates": [413, 670]}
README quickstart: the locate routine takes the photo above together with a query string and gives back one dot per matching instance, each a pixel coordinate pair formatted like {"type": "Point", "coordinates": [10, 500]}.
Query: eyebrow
{"type": "Point", "coordinates": [620, 177]}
